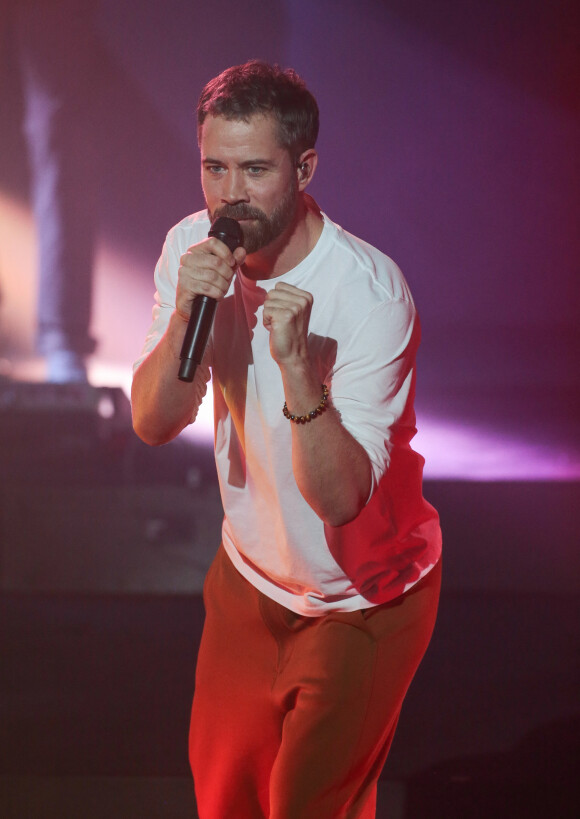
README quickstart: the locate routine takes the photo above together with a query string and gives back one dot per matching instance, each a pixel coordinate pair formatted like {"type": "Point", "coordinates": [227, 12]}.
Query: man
{"type": "Point", "coordinates": [322, 597]}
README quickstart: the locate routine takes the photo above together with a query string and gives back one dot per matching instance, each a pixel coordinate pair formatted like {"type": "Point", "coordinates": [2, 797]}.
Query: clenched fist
{"type": "Point", "coordinates": [286, 317]}
{"type": "Point", "coordinates": [206, 269]}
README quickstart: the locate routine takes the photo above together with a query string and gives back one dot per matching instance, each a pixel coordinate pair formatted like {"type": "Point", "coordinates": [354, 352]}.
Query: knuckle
{"type": "Point", "coordinates": [206, 288]}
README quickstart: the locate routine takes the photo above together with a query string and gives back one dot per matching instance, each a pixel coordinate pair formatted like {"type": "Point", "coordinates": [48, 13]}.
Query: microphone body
{"type": "Point", "coordinates": [203, 309]}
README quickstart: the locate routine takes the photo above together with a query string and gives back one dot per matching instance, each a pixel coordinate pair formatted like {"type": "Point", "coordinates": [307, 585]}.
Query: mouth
{"type": "Point", "coordinates": [239, 216]}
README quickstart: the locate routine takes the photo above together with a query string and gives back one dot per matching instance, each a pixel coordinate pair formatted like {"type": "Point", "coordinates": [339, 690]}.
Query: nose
{"type": "Point", "coordinates": [234, 188]}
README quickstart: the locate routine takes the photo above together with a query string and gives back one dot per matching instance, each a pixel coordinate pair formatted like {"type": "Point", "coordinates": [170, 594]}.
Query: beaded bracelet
{"type": "Point", "coordinates": [305, 419]}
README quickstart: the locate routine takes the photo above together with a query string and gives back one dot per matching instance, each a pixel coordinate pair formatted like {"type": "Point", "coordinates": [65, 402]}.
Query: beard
{"type": "Point", "coordinates": [267, 228]}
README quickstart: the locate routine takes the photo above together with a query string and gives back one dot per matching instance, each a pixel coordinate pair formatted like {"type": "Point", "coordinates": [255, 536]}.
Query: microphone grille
{"type": "Point", "coordinates": [228, 231]}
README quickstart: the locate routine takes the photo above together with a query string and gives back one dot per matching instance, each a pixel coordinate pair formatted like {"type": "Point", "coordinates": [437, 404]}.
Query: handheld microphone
{"type": "Point", "coordinates": [203, 309]}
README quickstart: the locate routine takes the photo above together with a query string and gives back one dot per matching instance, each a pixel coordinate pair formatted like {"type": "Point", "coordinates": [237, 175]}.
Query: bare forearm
{"type": "Point", "coordinates": [163, 405]}
{"type": "Point", "coordinates": [331, 468]}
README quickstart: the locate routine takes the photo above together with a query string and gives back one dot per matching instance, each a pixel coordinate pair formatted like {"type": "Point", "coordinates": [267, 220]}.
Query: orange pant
{"type": "Point", "coordinates": [293, 716]}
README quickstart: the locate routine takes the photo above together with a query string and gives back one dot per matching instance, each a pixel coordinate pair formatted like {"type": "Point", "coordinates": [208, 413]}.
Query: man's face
{"type": "Point", "coordinates": [247, 175]}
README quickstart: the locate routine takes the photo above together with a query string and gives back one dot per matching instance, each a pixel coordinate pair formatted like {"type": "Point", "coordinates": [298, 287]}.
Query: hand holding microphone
{"type": "Point", "coordinates": [203, 309]}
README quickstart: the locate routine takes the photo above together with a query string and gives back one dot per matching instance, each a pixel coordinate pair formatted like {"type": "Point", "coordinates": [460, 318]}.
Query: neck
{"type": "Point", "coordinates": [289, 249]}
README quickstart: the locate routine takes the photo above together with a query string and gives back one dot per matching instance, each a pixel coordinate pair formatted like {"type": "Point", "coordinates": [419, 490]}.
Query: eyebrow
{"type": "Point", "coordinates": [208, 160]}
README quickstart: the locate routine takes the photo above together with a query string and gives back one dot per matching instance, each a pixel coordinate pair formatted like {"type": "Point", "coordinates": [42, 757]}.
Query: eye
{"type": "Point", "coordinates": [214, 170]}
{"type": "Point", "coordinates": [256, 170]}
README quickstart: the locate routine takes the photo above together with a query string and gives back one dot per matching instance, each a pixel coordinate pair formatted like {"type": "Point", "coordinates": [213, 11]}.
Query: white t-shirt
{"type": "Point", "coordinates": [363, 337]}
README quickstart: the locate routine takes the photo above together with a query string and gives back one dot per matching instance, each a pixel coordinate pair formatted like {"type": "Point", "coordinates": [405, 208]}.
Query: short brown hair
{"type": "Point", "coordinates": [258, 87]}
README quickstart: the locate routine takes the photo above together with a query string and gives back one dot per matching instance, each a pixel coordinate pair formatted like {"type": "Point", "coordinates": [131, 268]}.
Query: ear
{"type": "Point", "coordinates": [305, 168]}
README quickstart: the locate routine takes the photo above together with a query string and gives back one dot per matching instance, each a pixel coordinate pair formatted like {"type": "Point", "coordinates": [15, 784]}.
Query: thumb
{"type": "Point", "coordinates": [240, 255]}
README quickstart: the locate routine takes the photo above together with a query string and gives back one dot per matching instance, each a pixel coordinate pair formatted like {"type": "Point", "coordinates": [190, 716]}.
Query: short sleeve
{"type": "Point", "coordinates": [373, 381]}
{"type": "Point", "coordinates": [166, 284]}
